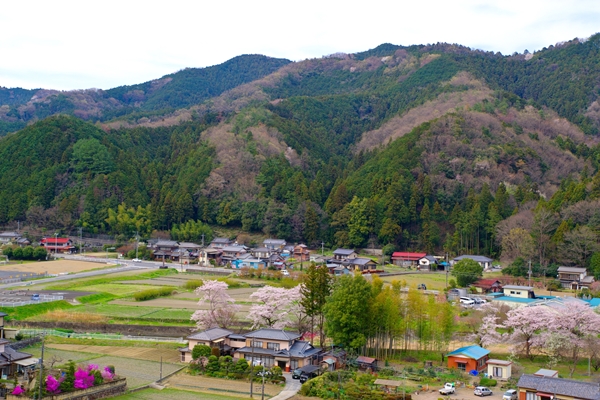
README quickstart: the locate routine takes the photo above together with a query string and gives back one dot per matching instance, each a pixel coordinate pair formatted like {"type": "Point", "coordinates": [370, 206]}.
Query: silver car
{"type": "Point", "coordinates": [511, 394]}
{"type": "Point", "coordinates": [482, 391]}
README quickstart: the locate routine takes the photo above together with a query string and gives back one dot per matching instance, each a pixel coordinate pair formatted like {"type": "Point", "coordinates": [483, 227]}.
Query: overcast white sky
{"type": "Point", "coordinates": [66, 45]}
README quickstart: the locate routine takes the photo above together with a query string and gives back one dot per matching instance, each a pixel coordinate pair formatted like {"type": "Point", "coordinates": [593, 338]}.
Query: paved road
{"type": "Point", "coordinates": [291, 388]}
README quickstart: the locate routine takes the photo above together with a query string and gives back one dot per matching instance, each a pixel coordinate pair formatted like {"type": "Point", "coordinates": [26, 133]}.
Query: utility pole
{"type": "Point", "coordinates": [160, 369]}
{"type": "Point", "coordinates": [41, 369]}
{"type": "Point", "coordinates": [529, 272]}
{"type": "Point", "coordinates": [203, 240]}
{"type": "Point", "coordinates": [80, 234]}
{"type": "Point", "coordinates": [263, 382]}
{"type": "Point", "coordinates": [137, 244]}
{"type": "Point", "coordinates": [322, 249]}
{"type": "Point", "coordinates": [252, 369]}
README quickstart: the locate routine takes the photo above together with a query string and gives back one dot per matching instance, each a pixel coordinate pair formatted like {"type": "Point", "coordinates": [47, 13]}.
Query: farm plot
{"type": "Point", "coordinates": [139, 353]}
{"type": "Point", "coordinates": [54, 267]}
{"type": "Point", "coordinates": [117, 289]}
{"type": "Point", "coordinates": [137, 372]}
{"type": "Point", "coordinates": [61, 356]}
{"type": "Point", "coordinates": [160, 303]}
{"type": "Point", "coordinates": [206, 384]}
{"type": "Point", "coordinates": [169, 314]}
{"type": "Point", "coordinates": [118, 311]}
{"type": "Point", "coordinates": [174, 394]}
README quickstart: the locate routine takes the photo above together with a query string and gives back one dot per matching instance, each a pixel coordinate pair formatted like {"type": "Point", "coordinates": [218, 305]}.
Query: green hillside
{"type": "Point", "coordinates": [433, 148]}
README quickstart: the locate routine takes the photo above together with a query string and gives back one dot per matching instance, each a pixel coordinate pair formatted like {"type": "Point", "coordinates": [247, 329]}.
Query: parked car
{"type": "Point", "coordinates": [285, 272]}
{"type": "Point", "coordinates": [466, 301]}
{"type": "Point", "coordinates": [482, 391]}
{"type": "Point", "coordinates": [479, 300]}
{"type": "Point", "coordinates": [511, 394]}
{"type": "Point", "coordinates": [421, 286]}
{"type": "Point", "coordinates": [35, 297]}
{"type": "Point", "coordinates": [136, 260]}
{"type": "Point", "coordinates": [296, 373]}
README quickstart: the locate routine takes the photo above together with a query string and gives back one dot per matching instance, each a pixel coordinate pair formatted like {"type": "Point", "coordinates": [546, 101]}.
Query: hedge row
{"type": "Point", "coordinates": [153, 293]}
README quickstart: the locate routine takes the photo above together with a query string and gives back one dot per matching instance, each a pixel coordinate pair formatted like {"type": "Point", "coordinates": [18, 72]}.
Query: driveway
{"type": "Point", "coordinates": [291, 388]}
{"type": "Point", "coordinates": [461, 393]}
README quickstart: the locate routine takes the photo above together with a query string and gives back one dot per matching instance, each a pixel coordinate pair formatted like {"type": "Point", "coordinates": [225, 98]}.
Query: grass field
{"type": "Point", "coordinates": [175, 394]}
{"type": "Point", "coordinates": [52, 267]}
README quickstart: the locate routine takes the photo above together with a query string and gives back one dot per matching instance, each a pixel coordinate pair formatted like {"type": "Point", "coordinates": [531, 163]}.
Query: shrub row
{"type": "Point", "coordinates": [153, 293]}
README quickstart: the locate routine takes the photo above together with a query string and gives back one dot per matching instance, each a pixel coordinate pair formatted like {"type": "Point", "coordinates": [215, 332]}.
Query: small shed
{"type": "Point", "coordinates": [548, 373]}
{"type": "Point", "coordinates": [499, 370]}
{"type": "Point", "coordinates": [365, 363]}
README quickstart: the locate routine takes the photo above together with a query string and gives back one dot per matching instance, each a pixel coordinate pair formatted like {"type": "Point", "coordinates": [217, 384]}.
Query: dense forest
{"type": "Point", "coordinates": [437, 148]}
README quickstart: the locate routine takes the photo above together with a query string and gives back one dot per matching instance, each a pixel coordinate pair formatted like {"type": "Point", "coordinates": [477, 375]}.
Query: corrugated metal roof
{"type": "Point", "coordinates": [475, 352]}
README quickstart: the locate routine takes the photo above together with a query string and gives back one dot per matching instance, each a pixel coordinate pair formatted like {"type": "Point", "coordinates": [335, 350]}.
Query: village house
{"type": "Point", "coordinates": [484, 261]}
{"type": "Point", "coordinates": [164, 249]}
{"type": "Point", "coordinates": [219, 243]}
{"type": "Point", "coordinates": [574, 278]}
{"type": "Point", "coordinates": [9, 237]}
{"type": "Point", "coordinates": [210, 256]}
{"type": "Point", "coordinates": [469, 358]}
{"type": "Point", "coordinates": [500, 370]}
{"type": "Point", "coordinates": [532, 387]}
{"type": "Point", "coordinates": [361, 264]}
{"type": "Point", "coordinates": [406, 259]}
{"type": "Point", "coordinates": [301, 253]}
{"type": "Point", "coordinates": [340, 255]}
{"type": "Point", "coordinates": [266, 347]}
{"type": "Point", "coordinates": [428, 262]}
{"type": "Point", "coordinates": [57, 245]}
{"type": "Point", "coordinates": [488, 286]}
{"type": "Point", "coordinates": [231, 253]}
{"type": "Point", "coordinates": [274, 244]}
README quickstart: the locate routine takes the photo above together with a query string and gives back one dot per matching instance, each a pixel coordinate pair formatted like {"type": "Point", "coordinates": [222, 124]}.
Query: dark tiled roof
{"type": "Point", "coordinates": [343, 252]}
{"type": "Point", "coordinates": [475, 258]}
{"type": "Point", "coordinates": [210, 334]}
{"type": "Point", "coordinates": [361, 261]}
{"type": "Point", "coordinates": [565, 387]}
{"type": "Point", "coordinates": [273, 334]}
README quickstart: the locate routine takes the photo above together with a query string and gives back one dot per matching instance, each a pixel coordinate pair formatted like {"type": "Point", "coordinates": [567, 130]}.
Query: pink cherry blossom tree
{"type": "Point", "coordinates": [573, 328]}
{"type": "Point", "coordinates": [276, 308]}
{"type": "Point", "coordinates": [524, 325]}
{"type": "Point", "coordinates": [219, 309]}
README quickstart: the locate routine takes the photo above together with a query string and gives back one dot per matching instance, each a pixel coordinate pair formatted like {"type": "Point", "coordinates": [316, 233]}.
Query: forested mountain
{"type": "Point", "coordinates": [181, 89]}
{"type": "Point", "coordinates": [433, 148]}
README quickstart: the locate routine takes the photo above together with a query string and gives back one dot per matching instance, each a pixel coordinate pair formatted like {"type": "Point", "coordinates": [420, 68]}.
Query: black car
{"type": "Point", "coordinates": [421, 286]}
{"type": "Point", "coordinates": [296, 373]}
{"type": "Point", "coordinates": [304, 378]}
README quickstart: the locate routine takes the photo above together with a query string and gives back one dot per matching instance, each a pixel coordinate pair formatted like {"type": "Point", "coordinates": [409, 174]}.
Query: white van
{"type": "Point", "coordinates": [466, 301]}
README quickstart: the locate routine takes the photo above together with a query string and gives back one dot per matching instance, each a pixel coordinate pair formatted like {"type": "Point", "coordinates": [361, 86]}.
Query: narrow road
{"type": "Point", "coordinates": [292, 386]}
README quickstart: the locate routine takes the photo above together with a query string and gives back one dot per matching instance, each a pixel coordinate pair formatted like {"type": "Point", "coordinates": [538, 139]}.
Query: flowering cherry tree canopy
{"type": "Point", "coordinates": [277, 307]}
{"type": "Point", "coordinates": [219, 309]}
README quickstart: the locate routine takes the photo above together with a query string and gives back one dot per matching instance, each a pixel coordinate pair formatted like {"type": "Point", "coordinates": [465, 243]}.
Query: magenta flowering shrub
{"type": "Point", "coordinates": [53, 384]}
{"type": "Point", "coordinates": [18, 390]}
{"type": "Point", "coordinates": [83, 379]}
{"type": "Point", "coordinates": [107, 374]}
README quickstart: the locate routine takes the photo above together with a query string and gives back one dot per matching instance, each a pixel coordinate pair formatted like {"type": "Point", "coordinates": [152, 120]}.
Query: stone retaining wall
{"type": "Point", "coordinates": [108, 389]}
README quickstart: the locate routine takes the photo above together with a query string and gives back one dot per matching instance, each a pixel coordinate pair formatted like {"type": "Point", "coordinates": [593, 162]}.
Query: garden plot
{"type": "Point", "coordinates": [139, 353]}
{"type": "Point", "coordinates": [174, 394]}
{"type": "Point", "coordinates": [232, 387]}
{"type": "Point", "coordinates": [137, 372]}
{"type": "Point", "coordinates": [53, 267]}
{"type": "Point", "coordinates": [61, 356]}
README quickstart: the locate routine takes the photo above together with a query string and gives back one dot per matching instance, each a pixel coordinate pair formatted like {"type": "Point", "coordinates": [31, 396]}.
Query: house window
{"type": "Point", "coordinates": [512, 292]}
{"type": "Point", "coordinates": [530, 396]}
{"type": "Point", "coordinates": [272, 346]}
{"type": "Point", "coordinates": [498, 372]}
{"type": "Point", "coordinates": [461, 366]}
{"type": "Point", "coordinates": [256, 343]}
{"type": "Point", "coordinates": [294, 364]}
{"type": "Point", "coordinates": [182, 357]}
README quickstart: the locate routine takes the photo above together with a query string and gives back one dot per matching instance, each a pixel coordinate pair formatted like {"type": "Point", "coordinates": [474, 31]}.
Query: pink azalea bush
{"type": "Point", "coordinates": [83, 379]}
{"type": "Point", "coordinates": [53, 384]}
{"type": "Point", "coordinates": [18, 390]}
{"type": "Point", "coordinates": [107, 374]}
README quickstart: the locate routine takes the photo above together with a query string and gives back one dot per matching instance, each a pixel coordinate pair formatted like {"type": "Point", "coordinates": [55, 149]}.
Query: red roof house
{"type": "Point", "coordinates": [488, 286]}
{"type": "Point", "coordinates": [406, 259]}
{"type": "Point", "coordinates": [58, 244]}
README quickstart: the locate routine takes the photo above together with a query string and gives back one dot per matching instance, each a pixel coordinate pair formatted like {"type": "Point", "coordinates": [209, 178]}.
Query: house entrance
{"type": "Point", "coordinates": [281, 364]}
